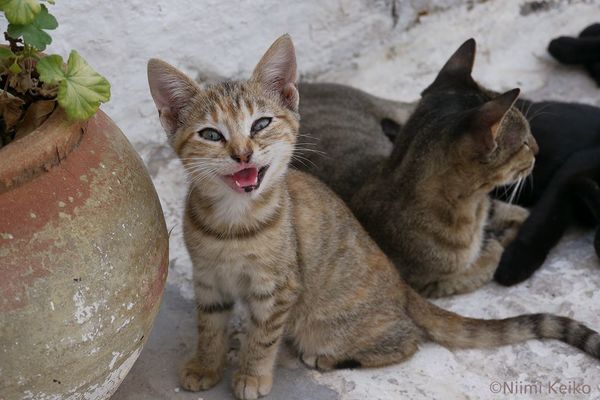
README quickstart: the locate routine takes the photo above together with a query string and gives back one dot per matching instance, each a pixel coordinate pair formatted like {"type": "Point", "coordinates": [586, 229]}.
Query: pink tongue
{"type": "Point", "coordinates": [246, 177]}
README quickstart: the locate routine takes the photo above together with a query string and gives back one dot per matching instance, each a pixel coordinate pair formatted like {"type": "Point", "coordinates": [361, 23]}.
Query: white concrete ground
{"type": "Point", "coordinates": [352, 42]}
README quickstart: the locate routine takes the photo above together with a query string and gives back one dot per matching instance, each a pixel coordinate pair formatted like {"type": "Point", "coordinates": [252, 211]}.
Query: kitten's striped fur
{"type": "Point", "coordinates": [292, 250]}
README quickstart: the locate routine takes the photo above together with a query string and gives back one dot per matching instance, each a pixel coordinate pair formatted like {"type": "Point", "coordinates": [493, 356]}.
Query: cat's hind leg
{"type": "Point", "coordinates": [395, 344]}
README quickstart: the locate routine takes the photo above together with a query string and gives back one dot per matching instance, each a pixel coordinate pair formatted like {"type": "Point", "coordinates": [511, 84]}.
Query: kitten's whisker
{"type": "Point", "coordinates": [308, 135]}
{"type": "Point", "coordinates": [299, 158]}
{"type": "Point", "coordinates": [308, 143]}
{"type": "Point", "coordinates": [306, 149]}
{"type": "Point", "coordinates": [318, 152]}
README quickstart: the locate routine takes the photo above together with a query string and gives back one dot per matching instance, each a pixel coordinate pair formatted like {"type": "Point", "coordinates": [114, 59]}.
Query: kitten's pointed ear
{"type": "Point", "coordinates": [487, 118]}
{"type": "Point", "coordinates": [276, 71]}
{"type": "Point", "coordinates": [459, 66]}
{"type": "Point", "coordinates": [171, 90]}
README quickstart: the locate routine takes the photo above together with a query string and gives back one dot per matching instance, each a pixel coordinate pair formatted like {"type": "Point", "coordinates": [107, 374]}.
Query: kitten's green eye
{"type": "Point", "coordinates": [259, 125]}
{"type": "Point", "coordinates": [211, 134]}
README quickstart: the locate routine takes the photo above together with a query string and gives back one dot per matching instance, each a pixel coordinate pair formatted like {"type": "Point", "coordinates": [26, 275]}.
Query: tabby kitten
{"type": "Point", "coordinates": [284, 244]}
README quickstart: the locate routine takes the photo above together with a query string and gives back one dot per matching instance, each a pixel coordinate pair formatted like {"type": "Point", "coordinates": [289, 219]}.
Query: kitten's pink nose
{"type": "Point", "coordinates": [244, 157]}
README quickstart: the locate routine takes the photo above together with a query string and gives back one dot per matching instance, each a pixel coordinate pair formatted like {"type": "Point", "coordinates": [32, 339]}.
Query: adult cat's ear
{"type": "Point", "coordinates": [276, 71]}
{"type": "Point", "coordinates": [458, 68]}
{"type": "Point", "coordinates": [171, 90]}
{"type": "Point", "coordinates": [486, 119]}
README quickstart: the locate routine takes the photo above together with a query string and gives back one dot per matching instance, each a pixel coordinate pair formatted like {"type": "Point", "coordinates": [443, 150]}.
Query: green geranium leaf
{"type": "Point", "coordinates": [51, 69]}
{"type": "Point", "coordinates": [45, 20]}
{"type": "Point", "coordinates": [20, 12]}
{"type": "Point", "coordinates": [33, 33]}
{"type": "Point", "coordinates": [80, 88]}
{"type": "Point", "coordinates": [6, 53]}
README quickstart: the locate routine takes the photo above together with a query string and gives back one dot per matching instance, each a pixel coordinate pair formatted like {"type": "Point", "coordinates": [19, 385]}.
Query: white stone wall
{"type": "Point", "coordinates": [118, 37]}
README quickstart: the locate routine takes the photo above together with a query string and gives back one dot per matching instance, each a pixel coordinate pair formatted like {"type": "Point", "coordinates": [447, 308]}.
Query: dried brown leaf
{"type": "Point", "coordinates": [21, 82]}
{"type": "Point", "coordinates": [36, 115]}
{"type": "Point", "coordinates": [46, 90]}
{"type": "Point", "coordinates": [10, 109]}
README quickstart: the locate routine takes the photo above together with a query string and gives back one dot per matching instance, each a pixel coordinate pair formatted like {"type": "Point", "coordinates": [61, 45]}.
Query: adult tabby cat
{"type": "Point", "coordinates": [283, 243]}
{"type": "Point", "coordinates": [562, 191]}
{"type": "Point", "coordinates": [427, 205]}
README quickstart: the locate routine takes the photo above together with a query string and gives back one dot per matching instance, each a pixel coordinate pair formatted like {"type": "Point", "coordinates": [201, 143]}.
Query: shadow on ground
{"type": "Point", "coordinates": [154, 375]}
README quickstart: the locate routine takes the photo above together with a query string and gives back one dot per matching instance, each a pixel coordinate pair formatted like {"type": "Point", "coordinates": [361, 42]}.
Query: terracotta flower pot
{"type": "Point", "coordinates": [83, 260]}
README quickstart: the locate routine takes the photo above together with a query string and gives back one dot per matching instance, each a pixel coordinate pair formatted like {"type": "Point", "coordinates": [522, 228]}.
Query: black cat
{"type": "Point", "coordinates": [564, 188]}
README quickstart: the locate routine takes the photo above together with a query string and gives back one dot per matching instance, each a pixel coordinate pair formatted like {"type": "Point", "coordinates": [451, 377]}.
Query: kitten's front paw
{"type": "Point", "coordinates": [248, 387]}
{"type": "Point", "coordinates": [195, 377]}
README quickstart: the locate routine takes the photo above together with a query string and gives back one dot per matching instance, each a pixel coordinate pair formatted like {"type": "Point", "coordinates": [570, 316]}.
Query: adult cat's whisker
{"type": "Point", "coordinates": [515, 189]}
{"type": "Point", "coordinates": [529, 110]}
{"type": "Point", "coordinates": [530, 178]}
{"type": "Point", "coordinates": [505, 190]}
{"type": "Point", "coordinates": [521, 186]}
{"type": "Point", "coordinates": [529, 118]}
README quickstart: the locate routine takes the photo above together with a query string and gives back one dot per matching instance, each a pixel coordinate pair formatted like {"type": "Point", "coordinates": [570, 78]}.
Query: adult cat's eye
{"type": "Point", "coordinates": [259, 125]}
{"type": "Point", "coordinates": [211, 134]}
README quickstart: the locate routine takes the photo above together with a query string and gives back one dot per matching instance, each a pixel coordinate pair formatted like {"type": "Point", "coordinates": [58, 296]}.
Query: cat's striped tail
{"type": "Point", "coordinates": [455, 331]}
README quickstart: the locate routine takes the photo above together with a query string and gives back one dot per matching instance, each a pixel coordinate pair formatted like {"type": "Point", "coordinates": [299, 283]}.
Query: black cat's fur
{"type": "Point", "coordinates": [564, 189]}
{"type": "Point", "coordinates": [582, 50]}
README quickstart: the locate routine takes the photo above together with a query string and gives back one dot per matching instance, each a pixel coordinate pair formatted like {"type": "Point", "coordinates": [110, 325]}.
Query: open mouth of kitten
{"type": "Point", "coordinates": [246, 180]}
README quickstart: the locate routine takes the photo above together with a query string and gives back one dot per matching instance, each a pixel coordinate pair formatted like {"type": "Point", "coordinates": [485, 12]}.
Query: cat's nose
{"type": "Point", "coordinates": [244, 157]}
{"type": "Point", "coordinates": [534, 146]}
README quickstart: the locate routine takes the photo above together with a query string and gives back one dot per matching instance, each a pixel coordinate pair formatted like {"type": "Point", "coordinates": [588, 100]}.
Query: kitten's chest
{"type": "Point", "coordinates": [234, 267]}
{"type": "Point", "coordinates": [251, 256]}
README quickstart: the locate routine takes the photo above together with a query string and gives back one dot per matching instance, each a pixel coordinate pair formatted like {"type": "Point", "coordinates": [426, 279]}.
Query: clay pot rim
{"type": "Point", "coordinates": [40, 150]}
